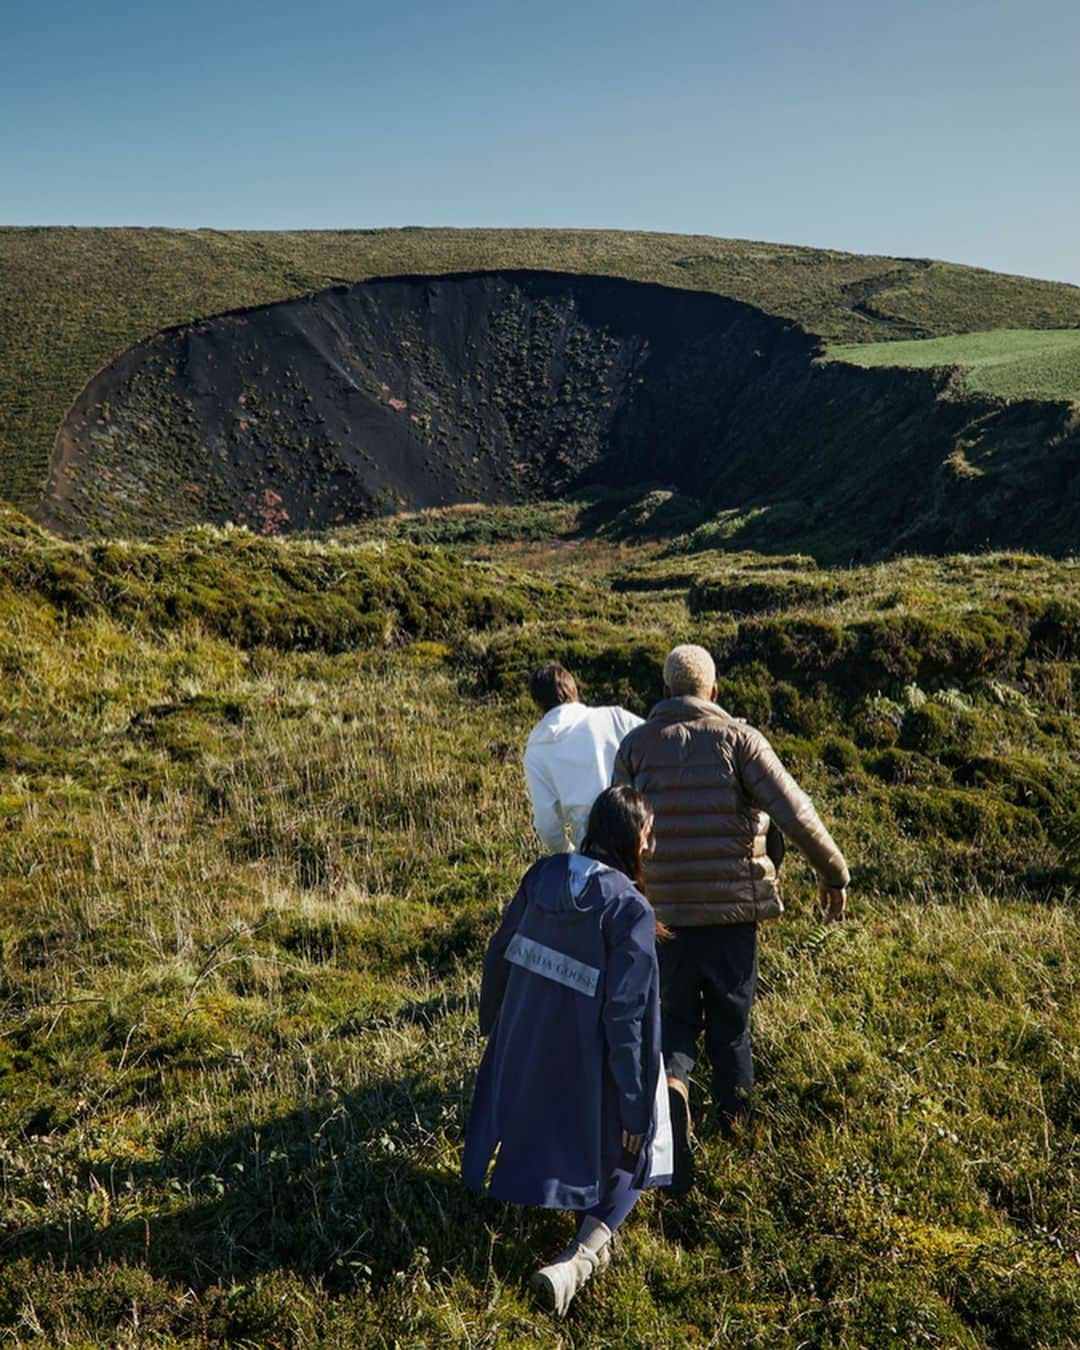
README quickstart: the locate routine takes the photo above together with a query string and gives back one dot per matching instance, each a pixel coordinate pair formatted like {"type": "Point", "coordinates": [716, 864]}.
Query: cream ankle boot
{"type": "Point", "coordinates": [556, 1285]}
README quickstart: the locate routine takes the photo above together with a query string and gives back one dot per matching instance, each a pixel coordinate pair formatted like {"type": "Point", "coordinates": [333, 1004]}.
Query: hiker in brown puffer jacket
{"type": "Point", "coordinates": [716, 787]}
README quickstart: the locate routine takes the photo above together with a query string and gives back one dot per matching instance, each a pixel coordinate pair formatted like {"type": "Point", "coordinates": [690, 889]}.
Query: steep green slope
{"type": "Point", "coordinates": [1012, 363]}
{"type": "Point", "coordinates": [72, 300]}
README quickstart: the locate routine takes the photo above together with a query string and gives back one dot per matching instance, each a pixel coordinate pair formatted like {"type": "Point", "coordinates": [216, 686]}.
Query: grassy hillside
{"type": "Point", "coordinates": [260, 805]}
{"type": "Point", "coordinates": [72, 299]}
{"type": "Point", "coordinates": [1011, 363]}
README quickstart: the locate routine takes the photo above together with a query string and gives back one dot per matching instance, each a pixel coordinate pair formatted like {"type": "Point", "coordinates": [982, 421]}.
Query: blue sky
{"type": "Point", "coordinates": [946, 129]}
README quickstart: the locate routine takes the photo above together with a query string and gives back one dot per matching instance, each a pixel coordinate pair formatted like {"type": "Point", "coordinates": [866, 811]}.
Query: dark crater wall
{"type": "Point", "coordinates": [406, 393]}
{"type": "Point", "coordinates": [403, 393]}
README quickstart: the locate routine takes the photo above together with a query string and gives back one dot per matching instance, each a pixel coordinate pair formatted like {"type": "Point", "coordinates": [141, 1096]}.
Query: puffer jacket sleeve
{"type": "Point", "coordinates": [622, 775]}
{"type": "Point", "coordinates": [631, 971]}
{"type": "Point", "coordinates": [496, 966]}
{"type": "Point", "coordinates": [773, 790]}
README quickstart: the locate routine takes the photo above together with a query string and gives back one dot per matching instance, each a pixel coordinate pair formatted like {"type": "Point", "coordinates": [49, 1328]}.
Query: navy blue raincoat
{"type": "Point", "coordinates": [570, 1002]}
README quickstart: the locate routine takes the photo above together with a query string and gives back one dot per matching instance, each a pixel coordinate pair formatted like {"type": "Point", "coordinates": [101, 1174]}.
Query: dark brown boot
{"type": "Point", "coordinates": [682, 1133]}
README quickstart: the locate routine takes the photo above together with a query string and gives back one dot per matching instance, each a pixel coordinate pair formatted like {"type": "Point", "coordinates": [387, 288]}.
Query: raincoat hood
{"type": "Point", "coordinates": [576, 894]}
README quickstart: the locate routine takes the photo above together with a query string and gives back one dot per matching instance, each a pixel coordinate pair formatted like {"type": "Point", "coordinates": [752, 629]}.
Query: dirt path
{"type": "Point", "coordinates": [857, 294]}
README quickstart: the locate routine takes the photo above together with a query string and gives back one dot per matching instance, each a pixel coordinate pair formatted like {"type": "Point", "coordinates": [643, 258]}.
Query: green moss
{"type": "Point", "coordinates": [1055, 631]}
{"type": "Point", "coordinates": [748, 693]}
{"type": "Point", "coordinates": [1022, 780]}
{"type": "Point", "coordinates": [932, 649]}
{"type": "Point", "coordinates": [255, 591]}
{"type": "Point", "coordinates": [805, 712]}
{"type": "Point", "coordinates": [1023, 1308]}
{"type": "Point", "coordinates": [877, 722]}
{"type": "Point", "coordinates": [902, 767]}
{"type": "Point", "coordinates": [868, 656]}
{"type": "Point", "coordinates": [658, 514]}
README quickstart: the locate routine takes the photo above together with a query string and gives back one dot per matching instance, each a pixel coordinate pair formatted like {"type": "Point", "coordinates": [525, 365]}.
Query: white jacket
{"type": "Point", "coordinates": [568, 762]}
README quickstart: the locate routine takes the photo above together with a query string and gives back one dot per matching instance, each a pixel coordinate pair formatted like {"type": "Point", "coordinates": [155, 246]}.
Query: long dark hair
{"type": "Point", "coordinates": [619, 821]}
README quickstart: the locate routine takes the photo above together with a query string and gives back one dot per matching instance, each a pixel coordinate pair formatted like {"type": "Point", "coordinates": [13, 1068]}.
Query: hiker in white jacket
{"type": "Point", "coordinates": [569, 756]}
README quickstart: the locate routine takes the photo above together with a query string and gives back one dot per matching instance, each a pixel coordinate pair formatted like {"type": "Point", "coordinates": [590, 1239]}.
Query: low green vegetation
{"type": "Point", "coordinates": [474, 526]}
{"type": "Point", "coordinates": [71, 300]}
{"type": "Point", "coordinates": [1012, 363]}
{"type": "Point", "coordinates": [260, 805]}
{"type": "Point", "coordinates": [313, 594]}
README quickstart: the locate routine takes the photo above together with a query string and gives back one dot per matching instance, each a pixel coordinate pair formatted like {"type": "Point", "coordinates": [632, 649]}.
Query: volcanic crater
{"type": "Point", "coordinates": [411, 392]}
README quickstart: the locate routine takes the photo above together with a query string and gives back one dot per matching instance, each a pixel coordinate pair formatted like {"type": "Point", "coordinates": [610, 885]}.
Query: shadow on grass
{"type": "Point", "coordinates": [336, 1192]}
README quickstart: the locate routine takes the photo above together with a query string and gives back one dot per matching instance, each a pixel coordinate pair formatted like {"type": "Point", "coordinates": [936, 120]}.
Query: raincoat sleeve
{"type": "Point", "coordinates": [548, 819]}
{"type": "Point", "coordinates": [631, 971]}
{"type": "Point", "coordinates": [496, 966]}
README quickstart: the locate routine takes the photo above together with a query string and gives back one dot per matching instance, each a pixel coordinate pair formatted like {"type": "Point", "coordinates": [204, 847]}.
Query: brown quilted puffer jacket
{"type": "Point", "coordinates": [715, 783]}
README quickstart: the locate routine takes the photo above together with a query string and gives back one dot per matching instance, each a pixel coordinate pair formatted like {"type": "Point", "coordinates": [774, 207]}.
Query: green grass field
{"type": "Point", "coordinates": [72, 299]}
{"type": "Point", "coordinates": [1013, 363]}
{"type": "Point", "coordinates": [260, 804]}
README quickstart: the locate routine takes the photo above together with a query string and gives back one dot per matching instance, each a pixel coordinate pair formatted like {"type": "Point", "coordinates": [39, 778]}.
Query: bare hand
{"type": "Point", "coordinates": [632, 1142]}
{"type": "Point", "coordinates": [833, 901]}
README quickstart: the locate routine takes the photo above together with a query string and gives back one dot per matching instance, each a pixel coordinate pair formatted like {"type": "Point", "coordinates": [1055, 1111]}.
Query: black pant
{"type": "Point", "coordinates": [707, 979]}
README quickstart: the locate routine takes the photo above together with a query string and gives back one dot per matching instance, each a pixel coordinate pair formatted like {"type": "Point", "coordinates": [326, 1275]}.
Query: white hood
{"type": "Point", "coordinates": [557, 723]}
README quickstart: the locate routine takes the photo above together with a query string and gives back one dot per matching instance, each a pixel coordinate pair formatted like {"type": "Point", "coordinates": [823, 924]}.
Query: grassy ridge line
{"type": "Point", "coordinates": [72, 299]}
{"type": "Point", "coordinates": [1012, 363]}
{"type": "Point", "coordinates": [246, 890]}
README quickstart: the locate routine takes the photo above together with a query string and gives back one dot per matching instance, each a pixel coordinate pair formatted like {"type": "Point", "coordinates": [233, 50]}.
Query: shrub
{"type": "Point", "coordinates": [938, 731]}
{"type": "Point", "coordinates": [288, 595]}
{"type": "Point", "coordinates": [760, 594]}
{"type": "Point", "coordinates": [967, 817]}
{"type": "Point", "coordinates": [747, 694]}
{"type": "Point", "coordinates": [791, 648]}
{"type": "Point", "coordinates": [840, 754]}
{"type": "Point", "coordinates": [1022, 1309]}
{"type": "Point", "coordinates": [658, 514]}
{"type": "Point", "coordinates": [877, 722]}
{"type": "Point", "coordinates": [931, 650]}
{"type": "Point", "coordinates": [1023, 782]}
{"type": "Point", "coordinates": [805, 714]}
{"type": "Point", "coordinates": [1055, 631]}
{"type": "Point", "coordinates": [903, 767]}
{"type": "Point", "coordinates": [610, 664]}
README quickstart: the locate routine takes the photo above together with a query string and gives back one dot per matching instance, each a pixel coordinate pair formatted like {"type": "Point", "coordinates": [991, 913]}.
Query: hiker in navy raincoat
{"type": "Point", "coordinates": [571, 1090]}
